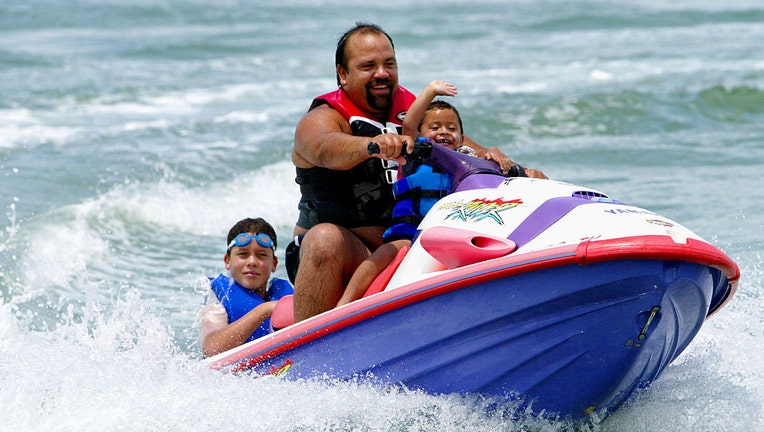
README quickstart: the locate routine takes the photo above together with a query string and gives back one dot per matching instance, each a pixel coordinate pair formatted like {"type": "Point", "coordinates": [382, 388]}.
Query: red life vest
{"type": "Point", "coordinates": [359, 120]}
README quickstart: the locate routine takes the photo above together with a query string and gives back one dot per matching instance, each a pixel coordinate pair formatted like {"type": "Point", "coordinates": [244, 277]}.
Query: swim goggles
{"type": "Point", "coordinates": [244, 239]}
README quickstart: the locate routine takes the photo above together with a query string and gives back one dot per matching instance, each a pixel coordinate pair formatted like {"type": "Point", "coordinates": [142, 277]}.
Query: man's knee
{"type": "Point", "coordinates": [323, 240]}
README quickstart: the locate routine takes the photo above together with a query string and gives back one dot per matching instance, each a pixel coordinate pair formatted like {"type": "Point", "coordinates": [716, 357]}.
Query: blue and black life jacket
{"type": "Point", "coordinates": [415, 194]}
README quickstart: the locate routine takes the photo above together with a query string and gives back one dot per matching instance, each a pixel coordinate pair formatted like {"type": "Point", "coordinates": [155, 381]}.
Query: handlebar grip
{"type": "Point", "coordinates": [422, 148]}
{"type": "Point", "coordinates": [372, 148]}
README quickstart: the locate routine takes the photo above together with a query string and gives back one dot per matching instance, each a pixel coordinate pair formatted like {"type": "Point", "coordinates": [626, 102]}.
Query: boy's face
{"type": "Point", "coordinates": [442, 126]}
{"type": "Point", "coordinates": [251, 265]}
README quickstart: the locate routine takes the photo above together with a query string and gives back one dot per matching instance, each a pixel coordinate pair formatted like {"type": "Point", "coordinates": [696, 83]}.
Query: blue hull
{"type": "Point", "coordinates": [567, 339]}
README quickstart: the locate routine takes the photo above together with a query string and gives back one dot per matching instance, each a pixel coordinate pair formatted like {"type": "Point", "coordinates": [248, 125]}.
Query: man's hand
{"type": "Point", "coordinates": [532, 173]}
{"type": "Point", "coordinates": [392, 147]}
{"type": "Point", "coordinates": [499, 157]}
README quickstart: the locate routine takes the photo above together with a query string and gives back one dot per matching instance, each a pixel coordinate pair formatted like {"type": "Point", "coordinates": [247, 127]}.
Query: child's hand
{"type": "Point", "coordinates": [443, 88]}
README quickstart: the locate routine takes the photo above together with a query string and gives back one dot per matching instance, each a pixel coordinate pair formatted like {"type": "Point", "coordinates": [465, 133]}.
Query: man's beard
{"type": "Point", "coordinates": [381, 103]}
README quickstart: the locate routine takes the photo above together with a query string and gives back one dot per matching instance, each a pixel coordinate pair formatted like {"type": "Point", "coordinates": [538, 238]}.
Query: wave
{"type": "Point", "coordinates": [609, 16]}
{"type": "Point", "coordinates": [736, 104]}
{"type": "Point", "coordinates": [627, 112]}
{"type": "Point", "coordinates": [160, 236]}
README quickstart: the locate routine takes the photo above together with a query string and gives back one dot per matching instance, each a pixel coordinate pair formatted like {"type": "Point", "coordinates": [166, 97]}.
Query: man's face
{"type": "Point", "coordinates": [371, 77]}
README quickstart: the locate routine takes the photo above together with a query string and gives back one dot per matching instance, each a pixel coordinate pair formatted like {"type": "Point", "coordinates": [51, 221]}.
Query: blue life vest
{"type": "Point", "coordinates": [238, 300]}
{"type": "Point", "coordinates": [415, 194]}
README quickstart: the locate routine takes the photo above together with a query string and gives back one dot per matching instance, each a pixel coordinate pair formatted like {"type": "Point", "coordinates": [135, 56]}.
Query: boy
{"type": "Point", "coordinates": [238, 308]}
{"type": "Point", "coordinates": [440, 122]}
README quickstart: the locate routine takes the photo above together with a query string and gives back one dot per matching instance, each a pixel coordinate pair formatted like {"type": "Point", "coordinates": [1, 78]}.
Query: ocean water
{"type": "Point", "coordinates": [133, 134]}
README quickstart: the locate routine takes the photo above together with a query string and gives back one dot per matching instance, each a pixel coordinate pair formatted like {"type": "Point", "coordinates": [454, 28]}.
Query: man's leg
{"type": "Point", "coordinates": [329, 254]}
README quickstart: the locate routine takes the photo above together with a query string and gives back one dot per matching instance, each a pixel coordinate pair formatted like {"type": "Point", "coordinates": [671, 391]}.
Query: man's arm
{"type": "Point", "coordinates": [323, 138]}
{"type": "Point", "coordinates": [503, 160]}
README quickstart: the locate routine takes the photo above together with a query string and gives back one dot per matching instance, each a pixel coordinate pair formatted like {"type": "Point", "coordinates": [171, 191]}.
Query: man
{"type": "Point", "coordinates": [347, 196]}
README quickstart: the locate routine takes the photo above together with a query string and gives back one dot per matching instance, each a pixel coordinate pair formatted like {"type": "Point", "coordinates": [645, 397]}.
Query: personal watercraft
{"type": "Point", "coordinates": [539, 291]}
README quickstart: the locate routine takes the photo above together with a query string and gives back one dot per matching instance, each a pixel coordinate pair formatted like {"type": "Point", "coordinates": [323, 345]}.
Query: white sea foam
{"type": "Point", "coordinates": [58, 252]}
{"type": "Point", "coordinates": [269, 192]}
{"type": "Point", "coordinates": [21, 127]}
{"type": "Point", "coordinates": [243, 117]}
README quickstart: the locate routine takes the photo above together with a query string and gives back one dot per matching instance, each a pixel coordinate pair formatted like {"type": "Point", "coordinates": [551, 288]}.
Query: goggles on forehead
{"type": "Point", "coordinates": [244, 239]}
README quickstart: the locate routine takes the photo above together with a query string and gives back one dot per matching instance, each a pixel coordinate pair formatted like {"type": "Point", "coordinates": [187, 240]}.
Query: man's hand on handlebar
{"type": "Point", "coordinates": [391, 147]}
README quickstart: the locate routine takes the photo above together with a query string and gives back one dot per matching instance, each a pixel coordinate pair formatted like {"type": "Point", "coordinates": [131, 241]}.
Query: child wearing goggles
{"type": "Point", "coordinates": [239, 304]}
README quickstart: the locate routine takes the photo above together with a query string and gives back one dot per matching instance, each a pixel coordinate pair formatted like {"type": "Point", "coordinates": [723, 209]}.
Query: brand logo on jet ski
{"type": "Point", "coordinates": [660, 222]}
{"type": "Point", "coordinates": [627, 210]}
{"type": "Point", "coordinates": [479, 209]}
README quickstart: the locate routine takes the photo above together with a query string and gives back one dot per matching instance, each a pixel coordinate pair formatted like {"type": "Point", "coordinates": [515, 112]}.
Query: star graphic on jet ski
{"type": "Point", "coordinates": [480, 208]}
